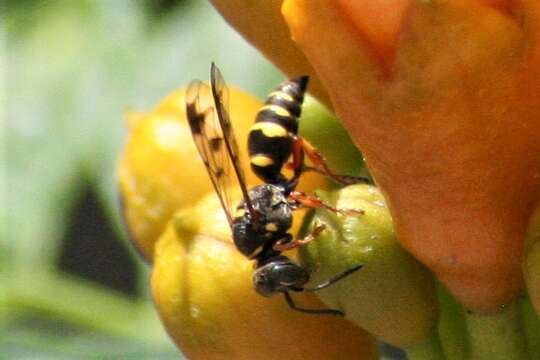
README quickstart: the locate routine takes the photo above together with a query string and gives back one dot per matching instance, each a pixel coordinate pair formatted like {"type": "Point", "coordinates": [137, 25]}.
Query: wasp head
{"type": "Point", "coordinates": [277, 275]}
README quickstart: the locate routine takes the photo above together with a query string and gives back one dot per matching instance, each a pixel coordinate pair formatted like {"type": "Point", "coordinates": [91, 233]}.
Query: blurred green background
{"type": "Point", "coordinates": [71, 284]}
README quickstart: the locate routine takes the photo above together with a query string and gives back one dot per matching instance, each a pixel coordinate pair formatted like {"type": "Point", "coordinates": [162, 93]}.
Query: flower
{"type": "Point", "coordinates": [202, 288]}
{"type": "Point", "coordinates": [443, 99]}
{"type": "Point", "coordinates": [159, 154]}
{"type": "Point", "coordinates": [261, 23]}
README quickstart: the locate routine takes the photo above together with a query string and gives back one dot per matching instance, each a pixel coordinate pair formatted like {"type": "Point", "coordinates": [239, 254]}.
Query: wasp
{"type": "Point", "coordinates": [274, 138]}
{"type": "Point", "coordinates": [260, 223]}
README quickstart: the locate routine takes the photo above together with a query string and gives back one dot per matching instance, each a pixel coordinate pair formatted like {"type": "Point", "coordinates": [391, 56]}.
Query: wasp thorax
{"type": "Point", "coordinates": [267, 197]}
{"type": "Point", "coordinates": [273, 218]}
{"type": "Point", "coordinates": [279, 274]}
{"type": "Point", "coordinates": [273, 211]}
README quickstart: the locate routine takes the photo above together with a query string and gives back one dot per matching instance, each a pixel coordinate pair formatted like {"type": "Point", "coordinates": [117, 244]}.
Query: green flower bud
{"type": "Point", "coordinates": [392, 296]}
{"type": "Point", "coordinates": [325, 132]}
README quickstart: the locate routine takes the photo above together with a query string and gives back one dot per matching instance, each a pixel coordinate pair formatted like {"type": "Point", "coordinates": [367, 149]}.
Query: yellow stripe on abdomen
{"type": "Point", "coordinates": [270, 129]}
{"type": "Point", "coordinates": [278, 110]}
{"type": "Point", "coordinates": [281, 94]}
{"type": "Point", "coordinates": [261, 160]}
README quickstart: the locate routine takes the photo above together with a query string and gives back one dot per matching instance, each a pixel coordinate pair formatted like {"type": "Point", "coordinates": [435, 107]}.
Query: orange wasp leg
{"type": "Point", "coordinates": [310, 201]}
{"type": "Point", "coordinates": [300, 147]}
{"type": "Point", "coordinates": [282, 246]}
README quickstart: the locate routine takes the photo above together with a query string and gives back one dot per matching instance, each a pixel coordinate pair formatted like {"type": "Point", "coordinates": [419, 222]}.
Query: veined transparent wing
{"type": "Point", "coordinates": [208, 117]}
{"type": "Point", "coordinates": [220, 92]}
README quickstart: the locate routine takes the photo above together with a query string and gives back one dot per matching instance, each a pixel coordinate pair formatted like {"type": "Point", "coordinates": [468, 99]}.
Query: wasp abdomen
{"type": "Point", "coordinates": [270, 138]}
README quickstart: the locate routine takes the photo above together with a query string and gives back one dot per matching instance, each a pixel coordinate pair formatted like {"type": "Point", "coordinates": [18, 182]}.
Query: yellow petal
{"type": "Point", "coordinates": [203, 290]}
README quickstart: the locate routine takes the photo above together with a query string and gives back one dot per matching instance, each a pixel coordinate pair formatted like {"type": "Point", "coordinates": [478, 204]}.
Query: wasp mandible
{"type": "Point", "coordinates": [260, 223]}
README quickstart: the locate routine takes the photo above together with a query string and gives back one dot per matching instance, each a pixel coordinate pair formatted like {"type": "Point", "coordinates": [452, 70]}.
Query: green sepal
{"type": "Point", "coordinates": [452, 327]}
{"type": "Point", "coordinates": [393, 296]}
{"type": "Point", "coordinates": [531, 263]}
{"type": "Point", "coordinates": [322, 129]}
{"type": "Point", "coordinates": [498, 336]}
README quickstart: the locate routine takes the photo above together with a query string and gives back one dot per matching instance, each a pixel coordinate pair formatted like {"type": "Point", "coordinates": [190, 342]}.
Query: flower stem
{"type": "Point", "coordinates": [497, 336]}
{"type": "Point", "coordinates": [428, 349]}
{"type": "Point", "coordinates": [531, 326]}
{"type": "Point", "coordinates": [452, 326]}
{"type": "Point", "coordinates": [80, 303]}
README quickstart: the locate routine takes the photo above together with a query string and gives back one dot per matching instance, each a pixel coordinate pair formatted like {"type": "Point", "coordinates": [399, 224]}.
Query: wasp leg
{"type": "Point", "coordinates": [334, 279]}
{"type": "Point", "coordinates": [297, 165]}
{"type": "Point", "coordinates": [288, 245]}
{"type": "Point", "coordinates": [314, 202]}
{"type": "Point", "coordinates": [302, 146]}
{"type": "Point", "coordinates": [344, 179]}
{"type": "Point", "coordinates": [293, 306]}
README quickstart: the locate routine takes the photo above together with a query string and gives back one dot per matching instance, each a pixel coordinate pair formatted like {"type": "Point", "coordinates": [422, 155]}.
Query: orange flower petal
{"type": "Point", "coordinates": [379, 23]}
{"type": "Point", "coordinates": [451, 137]}
{"type": "Point", "coordinates": [262, 24]}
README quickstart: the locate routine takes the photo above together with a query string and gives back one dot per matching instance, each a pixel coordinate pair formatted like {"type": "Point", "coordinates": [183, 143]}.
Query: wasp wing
{"type": "Point", "coordinates": [215, 141]}
{"type": "Point", "coordinates": [209, 140]}
{"type": "Point", "coordinates": [220, 93]}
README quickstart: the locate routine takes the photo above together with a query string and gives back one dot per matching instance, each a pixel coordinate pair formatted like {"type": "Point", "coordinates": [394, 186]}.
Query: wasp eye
{"type": "Point", "coordinates": [263, 282]}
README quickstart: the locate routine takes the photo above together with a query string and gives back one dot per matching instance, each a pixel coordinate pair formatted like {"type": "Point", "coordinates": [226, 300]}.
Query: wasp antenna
{"type": "Point", "coordinates": [294, 307]}
{"type": "Point", "coordinates": [334, 279]}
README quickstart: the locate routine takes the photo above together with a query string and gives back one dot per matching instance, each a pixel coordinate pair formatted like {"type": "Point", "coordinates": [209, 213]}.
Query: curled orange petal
{"type": "Point", "coordinates": [262, 24]}
{"type": "Point", "coordinates": [379, 24]}
{"type": "Point", "coordinates": [451, 137]}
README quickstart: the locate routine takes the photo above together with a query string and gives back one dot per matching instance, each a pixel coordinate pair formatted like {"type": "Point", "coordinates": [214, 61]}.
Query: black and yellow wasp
{"type": "Point", "coordinates": [260, 223]}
